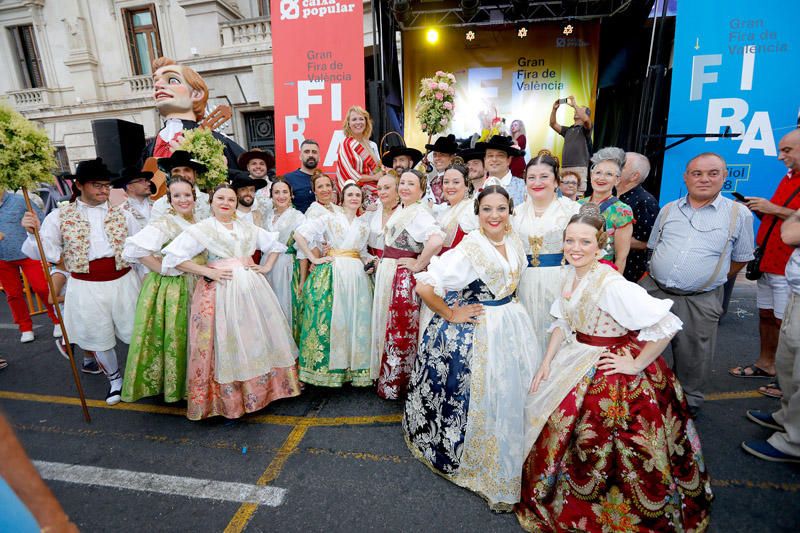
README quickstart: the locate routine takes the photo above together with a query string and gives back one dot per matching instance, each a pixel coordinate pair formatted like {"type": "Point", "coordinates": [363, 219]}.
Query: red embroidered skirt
{"type": "Point", "coordinates": [402, 331]}
{"type": "Point", "coordinates": [620, 453]}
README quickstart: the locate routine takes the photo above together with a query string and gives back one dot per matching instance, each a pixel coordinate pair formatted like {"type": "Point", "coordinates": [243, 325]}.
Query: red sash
{"type": "Point", "coordinates": [610, 342]}
{"type": "Point", "coordinates": [104, 269]}
{"type": "Point", "coordinates": [396, 253]}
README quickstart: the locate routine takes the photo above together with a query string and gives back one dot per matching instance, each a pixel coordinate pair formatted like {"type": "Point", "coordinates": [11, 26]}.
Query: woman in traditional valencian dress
{"type": "Point", "coordinates": [540, 223]}
{"type": "Point", "coordinates": [242, 356]}
{"type": "Point", "coordinates": [411, 238]}
{"type": "Point", "coordinates": [358, 158]}
{"type": "Point", "coordinates": [159, 345]}
{"type": "Point", "coordinates": [615, 447]}
{"type": "Point", "coordinates": [389, 202]}
{"type": "Point", "coordinates": [465, 412]}
{"type": "Point", "coordinates": [456, 216]}
{"type": "Point", "coordinates": [607, 164]}
{"type": "Point", "coordinates": [337, 298]}
{"type": "Point", "coordinates": [384, 275]}
{"type": "Point", "coordinates": [285, 275]}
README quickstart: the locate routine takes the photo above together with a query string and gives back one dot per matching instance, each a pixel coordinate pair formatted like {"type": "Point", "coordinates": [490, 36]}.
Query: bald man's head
{"type": "Point", "coordinates": [789, 150]}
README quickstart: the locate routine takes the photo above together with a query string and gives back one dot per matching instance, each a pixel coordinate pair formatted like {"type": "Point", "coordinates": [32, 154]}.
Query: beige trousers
{"type": "Point", "coordinates": [787, 365]}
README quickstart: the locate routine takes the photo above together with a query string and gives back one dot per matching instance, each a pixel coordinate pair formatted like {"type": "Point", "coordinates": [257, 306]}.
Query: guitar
{"type": "Point", "coordinates": [216, 118]}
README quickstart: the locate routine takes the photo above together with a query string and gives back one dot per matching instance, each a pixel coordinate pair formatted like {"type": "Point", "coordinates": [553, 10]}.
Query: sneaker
{"type": "Point", "coordinates": [764, 419]}
{"type": "Point", "coordinates": [764, 450]}
{"type": "Point", "coordinates": [27, 336]}
{"type": "Point", "coordinates": [91, 367]}
{"type": "Point", "coordinates": [114, 396]}
{"type": "Point", "coordinates": [62, 348]}
{"type": "Point", "coordinates": [57, 331]}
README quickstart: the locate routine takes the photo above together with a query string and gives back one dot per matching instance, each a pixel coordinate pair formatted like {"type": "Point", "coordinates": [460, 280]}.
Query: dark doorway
{"type": "Point", "coordinates": [260, 130]}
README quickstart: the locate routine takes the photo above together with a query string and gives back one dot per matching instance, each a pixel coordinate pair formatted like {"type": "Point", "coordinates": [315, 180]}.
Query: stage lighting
{"type": "Point", "coordinates": [432, 36]}
{"type": "Point", "coordinates": [470, 8]}
{"type": "Point", "coordinates": [402, 11]}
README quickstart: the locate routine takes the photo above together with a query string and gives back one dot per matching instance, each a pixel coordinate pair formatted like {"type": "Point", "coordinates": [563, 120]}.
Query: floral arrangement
{"type": "Point", "coordinates": [26, 154]}
{"type": "Point", "coordinates": [435, 106]}
{"type": "Point", "coordinates": [200, 142]}
{"type": "Point", "coordinates": [495, 128]}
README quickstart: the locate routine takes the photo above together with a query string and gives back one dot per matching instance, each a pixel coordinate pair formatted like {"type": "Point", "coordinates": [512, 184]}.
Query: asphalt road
{"type": "Point", "coordinates": [329, 460]}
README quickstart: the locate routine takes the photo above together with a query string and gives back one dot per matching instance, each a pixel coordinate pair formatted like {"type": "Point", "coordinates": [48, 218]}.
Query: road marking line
{"type": "Point", "coordinates": [747, 484]}
{"type": "Point", "coordinates": [738, 395]}
{"type": "Point", "coordinates": [246, 511]}
{"type": "Point", "coordinates": [162, 484]}
{"type": "Point", "coordinates": [277, 420]}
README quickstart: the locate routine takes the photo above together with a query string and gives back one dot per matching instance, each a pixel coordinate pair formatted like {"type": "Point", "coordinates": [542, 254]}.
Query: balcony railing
{"type": "Point", "coordinates": [247, 33]}
{"type": "Point", "coordinates": [30, 98]}
{"type": "Point", "coordinates": [140, 85]}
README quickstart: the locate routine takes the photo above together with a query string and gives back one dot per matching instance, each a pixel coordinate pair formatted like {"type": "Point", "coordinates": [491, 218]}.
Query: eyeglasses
{"type": "Point", "coordinates": [607, 174]}
{"type": "Point", "coordinates": [97, 185]}
{"type": "Point", "coordinates": [571, 183]}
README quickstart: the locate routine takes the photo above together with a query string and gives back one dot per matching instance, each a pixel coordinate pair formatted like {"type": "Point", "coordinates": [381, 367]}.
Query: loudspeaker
{"type": "Point", "coordinates": [120, 143]}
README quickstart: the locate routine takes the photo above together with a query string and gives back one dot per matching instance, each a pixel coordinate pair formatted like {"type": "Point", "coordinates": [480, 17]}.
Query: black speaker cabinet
{"type": "Point", "coordinates": [118, 142]}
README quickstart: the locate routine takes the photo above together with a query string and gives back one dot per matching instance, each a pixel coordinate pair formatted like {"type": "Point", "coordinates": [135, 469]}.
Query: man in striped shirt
{"type": "Point", "coordinates": [698, 242]}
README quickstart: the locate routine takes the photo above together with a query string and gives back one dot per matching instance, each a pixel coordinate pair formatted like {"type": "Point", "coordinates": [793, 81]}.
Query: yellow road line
{"type": "Point", "coordinates": [246, 511]}
{"type": "Point", "coordinates": [747, 484]}
{"type": "Point", "coordinates": [739, 395]}
{"type": "Point", "coordinates": [280, 420]}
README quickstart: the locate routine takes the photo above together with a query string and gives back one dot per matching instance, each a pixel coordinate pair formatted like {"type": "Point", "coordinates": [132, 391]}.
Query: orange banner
{"type": "Point", "coordinates": [318, 73]}
{"type": "Point", "coordinates": [503, 73]}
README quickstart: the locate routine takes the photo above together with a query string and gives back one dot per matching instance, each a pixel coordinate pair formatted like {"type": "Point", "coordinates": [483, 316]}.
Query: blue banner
{"type": "Point", "coordinates": [735, 65]}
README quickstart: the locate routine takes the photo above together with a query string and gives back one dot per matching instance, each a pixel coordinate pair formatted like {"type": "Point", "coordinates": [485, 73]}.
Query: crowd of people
{"type": "Point", "coordinates": [519, 323]}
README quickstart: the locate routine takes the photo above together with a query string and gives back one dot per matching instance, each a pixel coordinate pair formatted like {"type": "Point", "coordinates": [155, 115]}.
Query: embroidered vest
{"type": "Point", "coordinates": [75, 236]}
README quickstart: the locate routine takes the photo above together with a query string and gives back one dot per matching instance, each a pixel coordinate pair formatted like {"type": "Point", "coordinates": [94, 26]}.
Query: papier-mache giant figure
{"type": "Point", "coordinates": [180, 96]}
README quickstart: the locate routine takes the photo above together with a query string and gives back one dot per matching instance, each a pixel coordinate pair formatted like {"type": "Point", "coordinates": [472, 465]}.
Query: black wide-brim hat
{"type": "Point", "coordinates": [396, 151]}
{"type": "Point", "coordinates": [240, 178]}
{"type": "Point", "coordinates": [93, 170]}
{"type": "Point", "coordinates": [500, 142]}
{"type": "Point", "coordinates": [180, 158]}
{"type": "Point", "coordinates": [445, 145]}
{"type": "Point", "coordinates": [467, 152]}
{"type": "Point", "coordinates": [128, 174]}
{"type": "Point", "coordinates": [265, 155]}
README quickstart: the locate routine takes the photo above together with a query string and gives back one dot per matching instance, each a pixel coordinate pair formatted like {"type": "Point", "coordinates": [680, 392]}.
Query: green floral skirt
{"type": "Point", "coordinates": [315, 337]}
{"type": "Point", "coordinates": [157, 356]}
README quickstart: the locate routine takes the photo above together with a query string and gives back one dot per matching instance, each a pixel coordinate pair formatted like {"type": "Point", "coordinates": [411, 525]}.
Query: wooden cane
{"type": "Point", "coordinates": [57, 309]}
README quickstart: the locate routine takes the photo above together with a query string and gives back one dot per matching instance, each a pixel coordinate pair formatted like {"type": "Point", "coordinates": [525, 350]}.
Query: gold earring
{"type": "Point", "coordinates": [563, 260]}
{"type": "Point", "coordinates": [508, 228]}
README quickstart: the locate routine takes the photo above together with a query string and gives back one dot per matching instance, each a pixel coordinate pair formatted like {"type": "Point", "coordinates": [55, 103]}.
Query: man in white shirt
{"type": "Point", "coordinates": [182, 164]}
{"type": "Point", "coordinates": [139, 188]}
{"type": "Point", "coordinates": [473, 159]}
{"type": "Point", "coordinates": [497, 160]}
{"type": "Point", "coordinates": [88, 235]}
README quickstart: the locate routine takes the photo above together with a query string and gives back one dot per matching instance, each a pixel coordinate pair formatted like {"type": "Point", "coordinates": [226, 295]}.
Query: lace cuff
{"type": "Point", "coordinates": [428, 279]}
{"type": "Point", "coordinates": [667, 327]}
{"type": "Point", "coordinates": [431, 231]}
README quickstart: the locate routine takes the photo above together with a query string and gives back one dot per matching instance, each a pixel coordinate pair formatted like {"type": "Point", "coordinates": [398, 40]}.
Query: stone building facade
{"type": "Point", "coordinates": [68, 62]}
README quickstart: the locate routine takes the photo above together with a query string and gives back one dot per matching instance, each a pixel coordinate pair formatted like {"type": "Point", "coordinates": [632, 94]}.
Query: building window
{"type": "Point", "coordinates": [62, 160]}
{"type": "Point", "coordinates": [144, 43]}
{"type": "Point", "coordinates": [30, 63]}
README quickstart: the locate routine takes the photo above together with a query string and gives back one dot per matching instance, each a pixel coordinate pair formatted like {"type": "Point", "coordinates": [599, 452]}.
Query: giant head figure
{"type": "Point", "coordinates": [178, 90]}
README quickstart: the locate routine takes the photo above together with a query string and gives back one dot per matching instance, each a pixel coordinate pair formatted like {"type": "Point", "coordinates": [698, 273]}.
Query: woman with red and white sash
{"type": "Point", "coordinates": [411, 238]}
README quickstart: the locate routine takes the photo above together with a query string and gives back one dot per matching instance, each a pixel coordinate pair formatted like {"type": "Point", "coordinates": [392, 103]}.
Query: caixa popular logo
{"type": "Point", "coordinates": [570, 42]}
{"type": "Point", "coordinates": [290, 9]}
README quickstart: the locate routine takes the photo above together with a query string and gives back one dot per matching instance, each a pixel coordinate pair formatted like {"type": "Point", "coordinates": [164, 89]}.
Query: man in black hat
{"type": "Point", "coordinates": [88, 235]}
{"type": "Point", "coordinates": [473, 158]}
{"type": "Point", "coordinates": [247, 188]}
{"type": "Point", "coordinates": [137, 185]}
{"type": "Point", "coordinates": [444, 149]}
{"type": "Point", "coordinates": [258, 164]}
{"type": "Point", "coordinates": [250, 209]}
{"type": "Point", "coordinates": [182, 164]}
{"type": "Point", "coordinates": [497, 159]}
{"type": "Point", "coordinates": [401, 158]}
